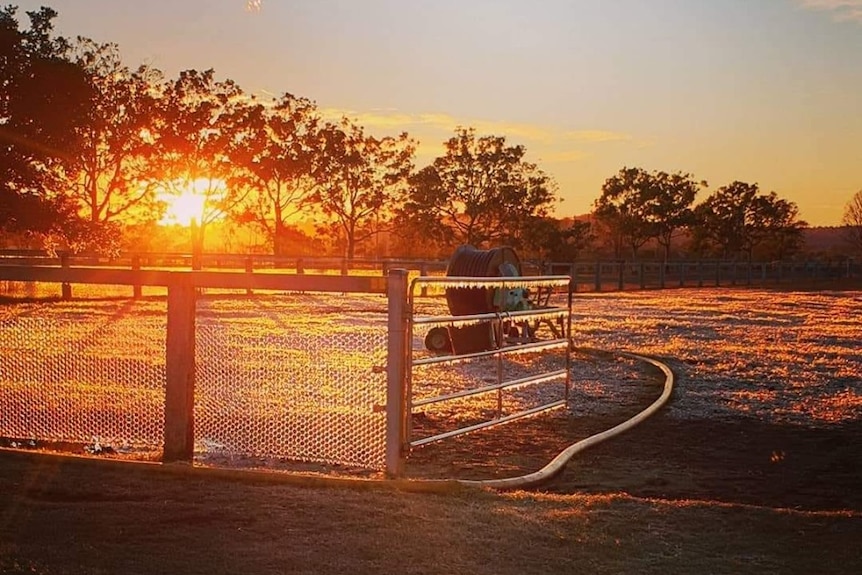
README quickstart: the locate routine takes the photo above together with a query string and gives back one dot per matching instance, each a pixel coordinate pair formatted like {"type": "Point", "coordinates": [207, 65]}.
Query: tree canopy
{"type": "Point", "coordinates": [737, 218]}
{"type": "Point", "coordinates": [852, 222]}
{"type": "Point", "coordinates": [45, 99]}
{"type": "Point", "coordinates": [481, 191]}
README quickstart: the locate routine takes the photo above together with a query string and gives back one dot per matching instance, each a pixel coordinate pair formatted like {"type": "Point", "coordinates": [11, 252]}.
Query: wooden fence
{"type": "Point", "coordinates": [594, 276]}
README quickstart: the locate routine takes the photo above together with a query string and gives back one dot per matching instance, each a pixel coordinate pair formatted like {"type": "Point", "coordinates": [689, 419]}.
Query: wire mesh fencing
{"type": "Point", "coordinates": [292, 376]}
{"type": "Point", "coordinates": [90, 374]}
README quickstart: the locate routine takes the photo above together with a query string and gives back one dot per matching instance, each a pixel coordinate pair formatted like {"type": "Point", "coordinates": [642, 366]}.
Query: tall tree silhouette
{"type": "Point", "coordinates": [481, 191]}
{"type": "Point", "coordinates": [737, 218]}
{"type": "Point", "coordinates": [113, 178]}
{"type": "Point", "coordinates": [358, 179]}
{"type": "Point", "coordinates": [196, 122]}
{"type": "Point", "coordinates": [276, 155]}
{"type": "Point", "coordinates": [851, 219]}
{"type": "Point", "coordinates": [44, 101]}
{"type": "Point", "coordinates": [623, 209]}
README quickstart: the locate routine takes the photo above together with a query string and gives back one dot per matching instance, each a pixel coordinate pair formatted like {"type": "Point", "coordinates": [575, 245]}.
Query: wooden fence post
{"type": "Point", "coordinates": [397, 440]}
{"type": "Point", "coordinates": [136, 267]}
{"type": "Point", "coordinates": [621, 284]}
{"type": "Point", "coordinates": [249, 269]}
{"type": "Point", "coordinates": [423, 272]}
{"type": "Point", "coordinates": [65, 288]}
{"type": "Point", "coordinates": [180, 370]}
{"type": "Point", "coordinates": [598, 276]}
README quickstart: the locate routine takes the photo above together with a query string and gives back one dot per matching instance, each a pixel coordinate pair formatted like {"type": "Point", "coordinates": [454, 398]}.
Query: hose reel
{"type": "Point", "coordinates": [467, 261]}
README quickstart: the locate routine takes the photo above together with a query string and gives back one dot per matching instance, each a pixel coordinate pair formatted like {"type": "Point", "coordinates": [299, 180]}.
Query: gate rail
{"type": "Point", "coordinates": [547, 288]}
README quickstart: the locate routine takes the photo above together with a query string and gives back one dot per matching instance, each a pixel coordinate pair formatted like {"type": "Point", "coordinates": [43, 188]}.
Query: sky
{"type": "Point", "coordinates": [761, 91]}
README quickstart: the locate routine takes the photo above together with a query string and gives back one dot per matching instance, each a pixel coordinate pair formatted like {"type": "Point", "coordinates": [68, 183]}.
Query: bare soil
{"type": "Point", "coordinates": [737, 461]}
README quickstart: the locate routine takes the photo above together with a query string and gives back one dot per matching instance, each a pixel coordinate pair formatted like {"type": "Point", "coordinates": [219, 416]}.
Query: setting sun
{"type": "Point", "coordinates": [189, 203]}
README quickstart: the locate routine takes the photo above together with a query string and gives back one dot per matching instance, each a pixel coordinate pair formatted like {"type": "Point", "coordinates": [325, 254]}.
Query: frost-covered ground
{"type": "Point", "coordinates": [791, 357]}
{"type": "Point", "coordinates": [297, 375]}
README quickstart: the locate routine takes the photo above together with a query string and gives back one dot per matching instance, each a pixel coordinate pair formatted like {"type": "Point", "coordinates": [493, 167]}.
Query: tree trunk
{"type": "Point", "coordinates": [197, 236]}
{"type": "Point", "coordinates": [278, 237]}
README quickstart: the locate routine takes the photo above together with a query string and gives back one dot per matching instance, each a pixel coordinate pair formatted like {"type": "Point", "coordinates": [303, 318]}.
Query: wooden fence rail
{"type": "Point", "coordinates": [146, 269]}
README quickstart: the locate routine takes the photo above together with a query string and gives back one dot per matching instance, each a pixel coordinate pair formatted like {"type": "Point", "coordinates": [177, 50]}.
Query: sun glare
{"type": "Point", "coordinates": [181, 208]}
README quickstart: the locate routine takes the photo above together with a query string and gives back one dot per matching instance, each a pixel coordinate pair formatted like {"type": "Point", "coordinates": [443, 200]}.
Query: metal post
{"type": "Point", "coordinates": [180, 370]}
{"type": "Point", "coordinates": [397, 356]}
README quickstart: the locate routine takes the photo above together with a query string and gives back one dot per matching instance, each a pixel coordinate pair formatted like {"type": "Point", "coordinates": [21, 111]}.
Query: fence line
{"type": "Point", "coordinates": [181, 374]}
{"type": "Point", "coordinates": [587, 275]}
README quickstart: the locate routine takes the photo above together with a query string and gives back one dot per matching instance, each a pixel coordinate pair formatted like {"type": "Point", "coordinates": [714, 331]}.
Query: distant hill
{"type": "Point", "coordinates": [827, 240]}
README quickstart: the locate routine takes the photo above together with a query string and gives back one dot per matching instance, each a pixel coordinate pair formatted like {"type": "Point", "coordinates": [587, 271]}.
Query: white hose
{"type": "Point", "coordinates": [559, 462]}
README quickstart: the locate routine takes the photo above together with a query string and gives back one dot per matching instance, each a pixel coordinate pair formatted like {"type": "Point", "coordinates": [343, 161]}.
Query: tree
{"type": "Point", "coordinates": [737, 219]}
{"type": "Point", "coordinates": [636, 206]}
{"type": "Point", "coordinates": [669, 206]}
{"type": "Point", "coordinates": [481, 191]}
{"type": "Point", "coordinates": [112, 179]}
{"type": "Point", "coordinates": [554, 240]}
{"type": "Point", "coordinates": [44, 101]}
{"type": "Point", "coordinates": [724, 219]}
{"type": "Point", "coordinates": [357, 178]}
{"type": "Point", "coordinates": [276, 157]}
{"type": "Point", "coordinates": [623, 209]}
{"type": "Point", "coordinates": [197, 121]}
{"type": "Point", "coordinates": [778, 231]}
{"type": "Point", "coordinates": [852, 222]}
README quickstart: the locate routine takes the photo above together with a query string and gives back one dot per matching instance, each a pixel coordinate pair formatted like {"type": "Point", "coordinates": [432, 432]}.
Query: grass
{"type": "Point", "coordinates": [753, 468]}
{"type": "Point", "coordinates": [72, 516]}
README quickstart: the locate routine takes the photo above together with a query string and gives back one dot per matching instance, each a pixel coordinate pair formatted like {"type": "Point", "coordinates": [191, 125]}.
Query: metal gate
{"type": "Point", "coordinates": [519, 367]}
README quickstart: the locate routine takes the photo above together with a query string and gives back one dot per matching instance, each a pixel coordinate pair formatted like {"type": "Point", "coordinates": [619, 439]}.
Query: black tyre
{"type": "Point", "coordinates": [437, 340]}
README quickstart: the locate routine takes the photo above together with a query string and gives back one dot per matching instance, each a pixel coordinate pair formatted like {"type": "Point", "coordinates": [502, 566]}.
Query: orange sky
{"type": "Point", "coordinates": [762, 91]}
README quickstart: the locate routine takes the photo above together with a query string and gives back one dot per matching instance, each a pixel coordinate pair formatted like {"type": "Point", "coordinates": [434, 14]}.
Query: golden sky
{"type": "Point", "coordinates": [764, 91]}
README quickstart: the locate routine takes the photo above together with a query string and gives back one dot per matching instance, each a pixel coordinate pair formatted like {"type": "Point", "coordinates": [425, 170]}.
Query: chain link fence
{"type": "Point", "coordinates": [299, 377]}
{"type": "Point", "coordinates": [91, 374]}
{"type": "Point", "coordinates": [292, 376]}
